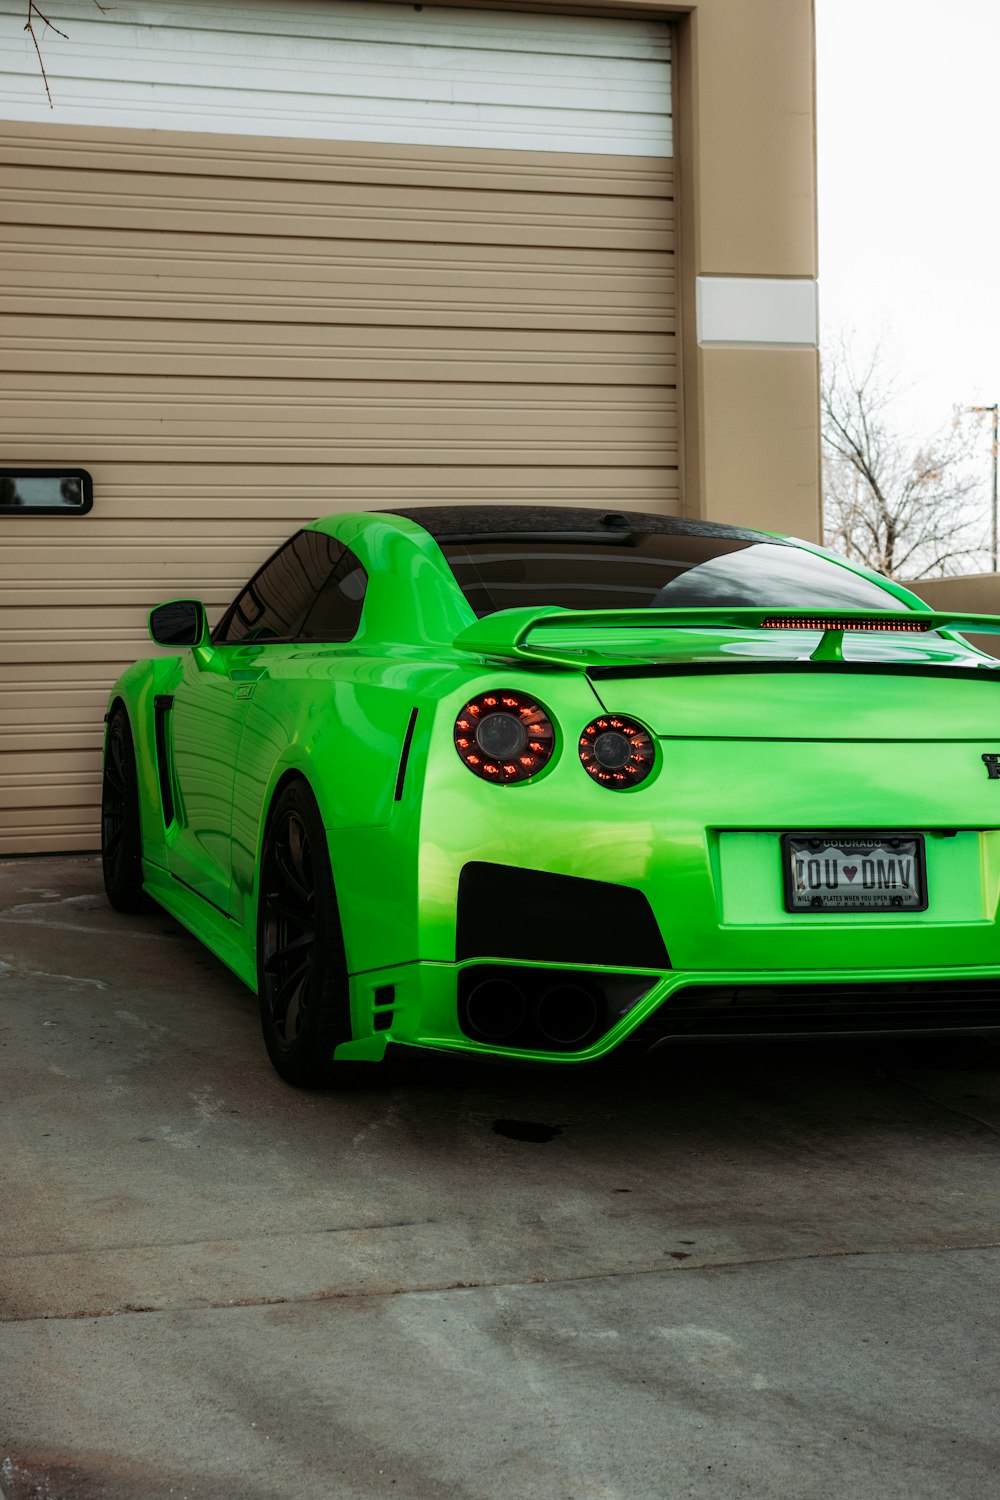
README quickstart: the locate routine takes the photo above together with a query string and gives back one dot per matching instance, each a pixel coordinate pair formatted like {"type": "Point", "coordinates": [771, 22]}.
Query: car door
{"type": "Point", "coordinates": [209, 709]}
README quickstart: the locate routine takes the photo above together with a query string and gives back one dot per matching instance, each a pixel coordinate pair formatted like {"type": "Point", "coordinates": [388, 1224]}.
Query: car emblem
{"type": "Point", "coordinates": [992, 764]}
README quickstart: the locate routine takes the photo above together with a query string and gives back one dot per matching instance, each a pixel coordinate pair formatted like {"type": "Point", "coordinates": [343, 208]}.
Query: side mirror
{"type": "Point", "coordinates": [182, 622]}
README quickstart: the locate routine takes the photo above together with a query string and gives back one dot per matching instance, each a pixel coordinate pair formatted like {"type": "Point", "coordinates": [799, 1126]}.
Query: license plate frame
{"type": "Point", "coordinates": [864, 851]}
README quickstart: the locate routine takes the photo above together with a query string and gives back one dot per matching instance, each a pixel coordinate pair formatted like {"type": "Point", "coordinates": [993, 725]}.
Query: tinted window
{"type": "Point", "coordinates": [336, 614]}
{"type": "Point", "coordinates": [288, 588]}
{"type": "Point", "coordinates": [652, 571]}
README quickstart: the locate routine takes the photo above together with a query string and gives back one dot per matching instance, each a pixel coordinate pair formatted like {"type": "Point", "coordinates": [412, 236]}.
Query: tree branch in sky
{"type": "Point", "coordinates": [35, 10]}
{"type": "Point", "coordinates": [905, 511]}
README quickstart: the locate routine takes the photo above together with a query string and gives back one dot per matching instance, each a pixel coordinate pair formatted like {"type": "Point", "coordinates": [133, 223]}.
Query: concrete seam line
{"type": "Point", "coordinates": [276, 1234]}
{"type": "Point", "coordinates": [129, 1309]}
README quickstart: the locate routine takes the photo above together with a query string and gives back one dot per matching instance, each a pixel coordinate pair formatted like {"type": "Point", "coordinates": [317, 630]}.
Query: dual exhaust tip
{"type": "Point", "coordinates": [552, 1012]}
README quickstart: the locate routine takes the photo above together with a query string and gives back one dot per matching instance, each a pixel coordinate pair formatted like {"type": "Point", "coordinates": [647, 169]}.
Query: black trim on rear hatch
{"type": "Point", "coordinates": [810, 668]}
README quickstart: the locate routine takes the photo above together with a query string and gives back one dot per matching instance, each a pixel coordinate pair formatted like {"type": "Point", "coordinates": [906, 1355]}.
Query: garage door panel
{"type": "Point", "coordinates": [258, 158]}
{"type": "Point", "coordinates": [451, 78]}
{"type": "Point", "coordinates": [48, 775]}
{"type": "Point", "coordinates": [218, 193]}
{"type": "Point", "coordinates": [34, 560]}
{"type": "Point", "coordinates": [634, 300]}
{"type": "Point", "coordinates": [519, 368]}
{"type": "Point", "coordinates": [53, 804]}
{"type": "Point", "coordinates": [329, 211]}
{"type": "Point", "coordinates": [394, 224]}
{"type": "Point", "coordinates": [24, 390]}
{"type": "Point", "coordinates": [334, 281]}
{"type": "Point", "coordinates": [61, 838]}
{"type": "Point", "coordinates": [520, 82]}
{"type": "Point", "coordinates": [351, 421]}
{"type": "Point", "coordinates": [532, 453]}
{"type": "Point", "coordinates": [79, 743]}
{"type": "Point", "coordinates": [627, 413]}
{"type": "Point", "coordinates": [624, 312]}
{"type": "Point", "coordinates": [240, 494]}
{"type": "Point", "coordinates": [279, 257]}
{"type": "Point", "coordinates": [301, 30]}
{"type": "Point", "coordinates": [240, 326]}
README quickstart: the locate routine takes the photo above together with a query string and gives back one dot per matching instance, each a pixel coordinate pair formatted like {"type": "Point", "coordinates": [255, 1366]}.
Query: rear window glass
{"type": "Point", "coordinates": [653, 571]}
{"type": "Point", "coordinates": [311, 589]}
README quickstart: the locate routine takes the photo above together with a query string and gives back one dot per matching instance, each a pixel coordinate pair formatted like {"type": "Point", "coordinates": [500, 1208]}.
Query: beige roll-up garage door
{"type": "Point", "coordinates": [234, 334]}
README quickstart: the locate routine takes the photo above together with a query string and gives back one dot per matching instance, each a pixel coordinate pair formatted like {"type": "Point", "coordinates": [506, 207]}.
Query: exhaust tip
{"type": "Point", "coordinates": [543, 1010]}
{"type": "Point", "coordinates": [567, 1014]}
{"type": "Point", "coordinates": [495, 1009]}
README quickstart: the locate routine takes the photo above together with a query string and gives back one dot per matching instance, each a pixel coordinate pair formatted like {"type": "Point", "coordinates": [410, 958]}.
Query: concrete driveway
{"type": "Point", "coordinates": [746, 1272]}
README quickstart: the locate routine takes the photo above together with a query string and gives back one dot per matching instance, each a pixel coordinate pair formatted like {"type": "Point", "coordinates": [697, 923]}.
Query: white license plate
{"type": "Point", "coordinates": [854, 872]}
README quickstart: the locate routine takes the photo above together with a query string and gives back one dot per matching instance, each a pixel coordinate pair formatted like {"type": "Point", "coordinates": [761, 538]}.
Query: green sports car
{"type": "Point", "coordinates": [542, 783]}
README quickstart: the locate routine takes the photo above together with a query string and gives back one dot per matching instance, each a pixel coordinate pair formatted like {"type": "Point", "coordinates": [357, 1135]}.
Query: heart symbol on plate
{"type": "Point", "coordinates": [850, 871]}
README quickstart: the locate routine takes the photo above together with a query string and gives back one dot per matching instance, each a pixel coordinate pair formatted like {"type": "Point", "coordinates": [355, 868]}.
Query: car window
{"type": "Point", "coordinates": [288, 588]}
{"type": "Point", "coordinates": [653, 571]}
{"type": "Point", "coordinates": [336, 613]}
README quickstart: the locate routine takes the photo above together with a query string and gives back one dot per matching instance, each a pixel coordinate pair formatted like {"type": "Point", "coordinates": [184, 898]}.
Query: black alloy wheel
{"type": "Point", "coordinates": [121, 829]}
{"type": "Point", "coordinates": [301, 966]}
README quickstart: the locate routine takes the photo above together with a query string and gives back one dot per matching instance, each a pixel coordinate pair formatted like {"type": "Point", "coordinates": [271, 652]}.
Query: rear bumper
{"type": "Point", "coordinates": [425, 1005]}
{"type": "Point", "coordinates": [702, 847]}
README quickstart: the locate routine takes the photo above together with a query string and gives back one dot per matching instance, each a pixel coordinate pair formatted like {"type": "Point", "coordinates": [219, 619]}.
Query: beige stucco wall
{"type": "Point", "coordinates": [747, 114]}
{"type": "Point", "coordinates": [978, 593]}
{"type": "Point", "coordinates": [756, 420]}
{"type": "Point", "coordinates": [746, 138]}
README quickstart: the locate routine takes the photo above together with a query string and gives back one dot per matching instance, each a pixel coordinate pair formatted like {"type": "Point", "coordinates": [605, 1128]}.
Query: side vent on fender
{"type": "Point", "coordinates": [162, 704]}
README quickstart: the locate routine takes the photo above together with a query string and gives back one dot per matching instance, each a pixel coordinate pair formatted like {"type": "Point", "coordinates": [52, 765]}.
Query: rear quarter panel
{"type": "Point", "coordinates": [340, 721]}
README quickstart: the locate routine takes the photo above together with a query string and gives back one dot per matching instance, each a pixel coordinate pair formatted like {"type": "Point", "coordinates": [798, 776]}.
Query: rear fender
{"type": "Point", "coordinates": [137, 690]}
{"type": "Point", "coordinates": [352, 776]}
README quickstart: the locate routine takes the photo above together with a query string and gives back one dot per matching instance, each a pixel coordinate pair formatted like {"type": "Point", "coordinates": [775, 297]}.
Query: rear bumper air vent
{"type": "Point", "coordinates": [723, 1011]}
{"type": "Point", "coordinates": [537, 917]}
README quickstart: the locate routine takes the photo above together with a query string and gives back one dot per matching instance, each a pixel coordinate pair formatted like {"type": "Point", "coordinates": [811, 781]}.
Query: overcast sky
{"type": "Point", "coordinates": [909, 192]}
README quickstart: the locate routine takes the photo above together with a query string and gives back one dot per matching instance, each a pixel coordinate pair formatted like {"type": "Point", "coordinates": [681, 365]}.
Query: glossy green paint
{"type": "Point", "coordinates": [587, 638]}
{"type": "Point", "coordinates": [891, 737]}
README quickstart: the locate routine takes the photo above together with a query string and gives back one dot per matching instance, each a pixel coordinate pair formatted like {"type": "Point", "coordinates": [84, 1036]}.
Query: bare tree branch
{"type": "Point", "coordinates": [34, 9]}
{"type": "Point", "coordinates": [905, 512]}
{"type": "Point", "coordinates": [29, 26]}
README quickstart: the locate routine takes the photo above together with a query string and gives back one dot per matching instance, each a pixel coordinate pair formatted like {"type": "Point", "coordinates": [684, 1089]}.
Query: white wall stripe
{"type": "Point", "coordinates": [757, 310]}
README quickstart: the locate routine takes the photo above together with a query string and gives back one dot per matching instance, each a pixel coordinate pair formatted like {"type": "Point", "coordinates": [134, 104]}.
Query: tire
{"type": "Point", "coordinates": [121, 829]}
{"type": "Point", "coordinates": [301, 965]}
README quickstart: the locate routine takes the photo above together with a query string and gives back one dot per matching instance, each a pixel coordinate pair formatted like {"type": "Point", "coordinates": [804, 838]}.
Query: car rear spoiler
{"type": "Point", "coordinates": [572, 637]}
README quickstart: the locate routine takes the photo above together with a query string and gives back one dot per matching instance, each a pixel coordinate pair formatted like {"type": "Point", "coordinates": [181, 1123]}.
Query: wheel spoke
{"type": "Point", "coordinates": [114, 769]}
{"type": "Point", "coordinates": [289, 932]}
{"type": "Point", "coordinates": [288, 1006]}
{"type": "Point", "coordinates": [114, 798]}
{"type": "Point", "coordinates": [121, 822]}
{"type": "Point", "coordinates": [289, 867]}
{"type": "Point", "coordinates": [116, 760]}
{"type": "Point", "coordinates": [112, 837]}
{"type": "Point", "coordinates": [278, 910]}
{"type": "Point", "coordinates": [292, 1016]}
{"type": "Point", "coordinates": [296, 948]}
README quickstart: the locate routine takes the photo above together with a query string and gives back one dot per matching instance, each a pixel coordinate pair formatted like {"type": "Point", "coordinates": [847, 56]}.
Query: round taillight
{"type": "Point", "coordinates": [504, 736]}
{"type": "Point", "coordinates": [617, 752]}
